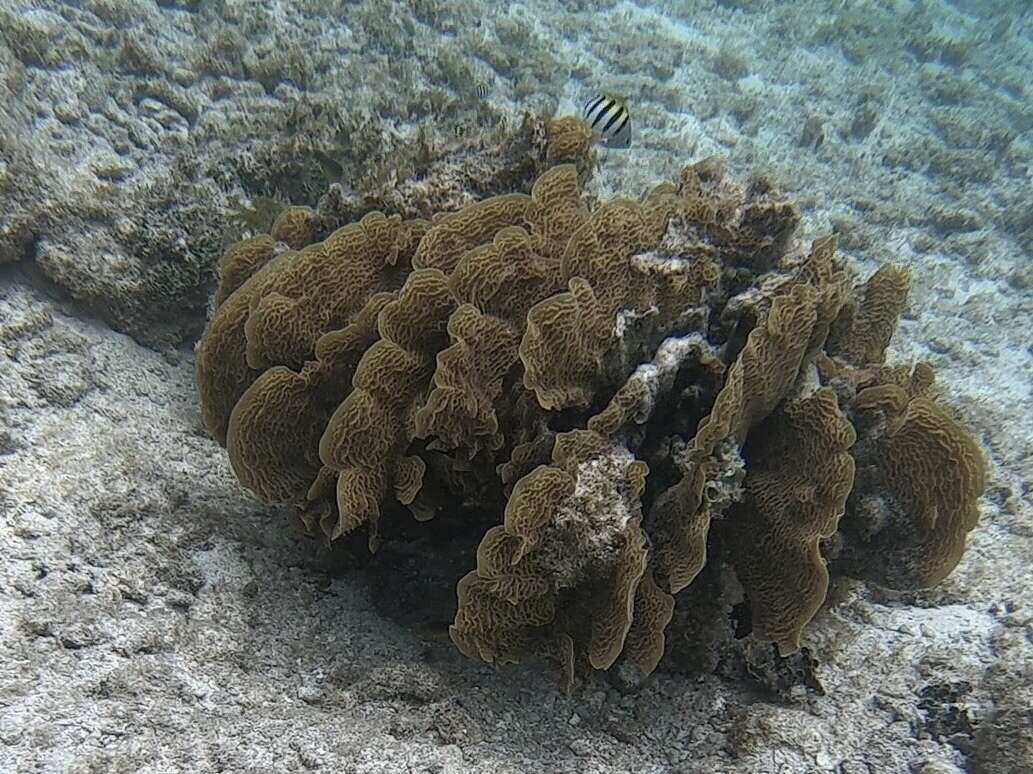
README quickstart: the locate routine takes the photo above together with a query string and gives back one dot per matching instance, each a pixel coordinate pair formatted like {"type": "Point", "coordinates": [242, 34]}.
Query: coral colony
{"type": "Point", "coordinates": [609, 397]}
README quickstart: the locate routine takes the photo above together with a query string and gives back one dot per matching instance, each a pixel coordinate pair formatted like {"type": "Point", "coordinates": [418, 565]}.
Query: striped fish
{"type": "Point", "coordinates": [610, 119]}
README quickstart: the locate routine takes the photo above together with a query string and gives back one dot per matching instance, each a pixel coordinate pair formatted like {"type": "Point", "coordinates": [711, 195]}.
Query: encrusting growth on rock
{"type": "Point", "coordinates": [610, 397]}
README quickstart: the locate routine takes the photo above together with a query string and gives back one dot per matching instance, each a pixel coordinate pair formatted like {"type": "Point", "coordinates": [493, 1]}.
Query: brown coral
{"type": "Point", "coordinates": [496, 284]}
{"type": "Point", "coordinates": [799, 476]}
{"type": "Point", "coordinates": [276, 316]}
{"type": "Point", "coordinates": [767, 367]}
{"type": "Point", "coordinates": [241, 260]}
{"type": "Point", "coordinates": [295, 227]}
{"type": "Point", "coordinates": [566, 565]}
{"type": "Point", "coordinates": [921, 475]}
{"type": "Point", "coordinates": [865, 328]}
{"type": "Point", "coordinates": [613, 273]}
{"type": "Point", "coordinates": [366, 439]}
{"type": "Point", "coordinates": [636, 389]}
{"type": "Point", "coordinates": [568, 140]}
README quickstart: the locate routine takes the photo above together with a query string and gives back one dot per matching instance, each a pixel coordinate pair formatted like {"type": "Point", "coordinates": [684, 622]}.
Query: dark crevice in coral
{"type": "Point", "coordinates": [29, 250]}
{"type": "Point", "coordinates": [701, 629]}
{"type": "Point", "coordinates": [741, 618]}
{"type": "Point", "coordinates": [736, 338]}
{"type": "Point", "coordinates": [346, 555]}
{"type": "Point", "coordinates": [724, 331]}
{"type": "Point", "coordinates": [26, 271]}
{"type": "Point", "coordinates": [673, 422]}
{"type": "Point", "coordinates": [412, 577]}
{"type": "Point", "coordinates": [573, 418]}
{"type": "Point", "coordinates": [872, 514]}
{"type": "Point", "coordinates": [712, 632]}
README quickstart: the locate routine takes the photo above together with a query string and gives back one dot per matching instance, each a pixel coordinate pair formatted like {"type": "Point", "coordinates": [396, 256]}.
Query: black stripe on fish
{"type": "Point", "coordinates": [597, 108]}
{"type": "Point", "coordinates": [616, 117]}
{"type": "Point", "coordinates": [619, 129]}
{"type": "Point", "coordinates": [591, 105]}
{"type": "Point", "coordinates": [603, 112]}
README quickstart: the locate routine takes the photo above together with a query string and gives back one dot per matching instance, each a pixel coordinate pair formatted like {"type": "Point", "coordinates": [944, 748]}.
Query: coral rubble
{"type": "Point", "coordinates": [611, 397]}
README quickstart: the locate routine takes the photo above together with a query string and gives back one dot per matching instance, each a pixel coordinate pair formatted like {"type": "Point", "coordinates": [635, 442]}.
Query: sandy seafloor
{"type": "Point", "coordinates": [154, 617]}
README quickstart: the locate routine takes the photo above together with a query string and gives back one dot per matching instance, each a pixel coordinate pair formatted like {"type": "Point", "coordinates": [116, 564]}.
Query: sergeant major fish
{"type": "Point", "coordinates": [610, 120]}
